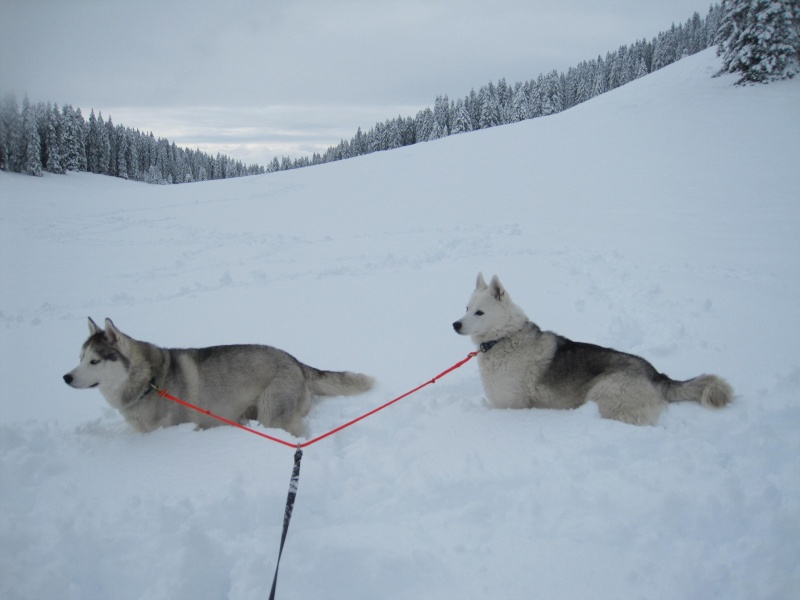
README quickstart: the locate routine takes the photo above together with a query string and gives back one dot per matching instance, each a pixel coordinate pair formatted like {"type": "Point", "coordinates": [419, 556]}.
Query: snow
{"type": "Point", "coordinates": [661, 218]}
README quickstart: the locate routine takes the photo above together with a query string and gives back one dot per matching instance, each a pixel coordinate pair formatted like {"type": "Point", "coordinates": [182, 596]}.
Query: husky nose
{"type": "Point", "coordinates": [68, 378]}
{"type": "Point", "coordinates": [457, 325]}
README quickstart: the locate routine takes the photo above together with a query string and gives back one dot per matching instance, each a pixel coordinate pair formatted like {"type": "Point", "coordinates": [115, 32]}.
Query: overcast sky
{"type": "Point", "coordinates": [259, 78]}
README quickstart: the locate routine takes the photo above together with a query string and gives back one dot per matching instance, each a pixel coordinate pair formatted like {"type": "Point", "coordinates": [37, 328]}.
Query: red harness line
{"type": "Point", "coordinates": [168, 396]}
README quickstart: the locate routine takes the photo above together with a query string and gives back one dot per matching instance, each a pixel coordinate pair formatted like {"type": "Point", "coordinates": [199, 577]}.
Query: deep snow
{"type": "Point", "coordinates": [662, 218]}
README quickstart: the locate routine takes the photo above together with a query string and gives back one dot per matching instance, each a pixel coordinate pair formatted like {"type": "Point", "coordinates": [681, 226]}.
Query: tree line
{"type": "Point", "coordinates": [42, 137]}
{"type": "Point", "coordinates": [502, 103]}
{"type": "Point", "coordinates": [758, 39]}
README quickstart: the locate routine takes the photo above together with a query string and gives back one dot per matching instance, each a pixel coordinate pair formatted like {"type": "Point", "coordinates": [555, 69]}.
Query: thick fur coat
{"type": "Point", "coordinates": [523, 366]}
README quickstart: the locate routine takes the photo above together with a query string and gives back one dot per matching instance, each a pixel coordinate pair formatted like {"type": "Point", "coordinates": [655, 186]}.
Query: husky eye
{"type": "Point", "coordinates": [94, 361]}
{"type": "Point", "coordinates": [479, 313]}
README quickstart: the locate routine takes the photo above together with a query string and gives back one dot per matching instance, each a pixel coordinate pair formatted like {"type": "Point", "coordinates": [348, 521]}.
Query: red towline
{"type": "Point", "coordinates": [168, 396]}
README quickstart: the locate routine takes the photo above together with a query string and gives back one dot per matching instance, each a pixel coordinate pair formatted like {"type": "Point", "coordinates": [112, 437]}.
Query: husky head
{"type": "Point", "coordinates": [104, 360]}
{"type": "Point", "coordinates": [491, 314]}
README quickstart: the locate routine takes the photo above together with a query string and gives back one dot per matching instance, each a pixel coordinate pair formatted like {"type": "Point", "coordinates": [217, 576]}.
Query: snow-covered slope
{"type": "Point", "coordinates": [662, 218]}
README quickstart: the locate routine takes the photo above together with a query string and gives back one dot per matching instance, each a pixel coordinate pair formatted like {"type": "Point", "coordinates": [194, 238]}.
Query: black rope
{"type": "Point", "coordinates": [287, 515]}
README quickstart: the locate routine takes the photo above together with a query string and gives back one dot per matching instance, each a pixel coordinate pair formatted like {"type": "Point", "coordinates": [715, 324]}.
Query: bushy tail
{"type": "Point", "coordinates": [337, 383]}
{"type": "Point", "coordinates": [708, 390]}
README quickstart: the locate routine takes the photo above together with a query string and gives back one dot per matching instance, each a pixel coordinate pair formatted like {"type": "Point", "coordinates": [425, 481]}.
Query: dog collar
{"type": "Point", "coordinates": [151, 385]}
{"type": "Point", "coordinates": [486, 346]}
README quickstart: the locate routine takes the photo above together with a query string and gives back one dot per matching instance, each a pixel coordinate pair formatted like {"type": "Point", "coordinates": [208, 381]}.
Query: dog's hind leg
{"type": "Point", "coordinates": [626, 398]}
{"type": "Point", "coordinates": [284, 404]}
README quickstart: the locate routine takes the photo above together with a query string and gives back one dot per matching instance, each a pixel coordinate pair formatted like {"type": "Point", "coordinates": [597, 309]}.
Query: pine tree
{"type": "Point", "coordinates": [518, 109]}
{"type": "Point", "coordinates": [760, 39]}
{"type": "Point", "coordinates": [490, 107]}
{"type": "Point", "coordinates": [112, 167]}
{"type": "Point", "coordinates": [461, 120]}
{"type": "Point", "coordinates": [599, 78]}
{"type": "Point", "coordinates": [12, 120]}
{"type": "Point", "coordinates": [81, 131]}
{"type": "Point", "coordinates": [628, 71]}
{"type": "Point", "coordinates": [424, 125]}
{"type": "Point", "coordinates": [30, 140]}
{"type": "Point", "coordinates": [503, 102]}
{"type": "Point", "coordinates": [42, 113]}
{"type": "Point", "coordinates": [3, 146]}
{"type": "Point", "coordinates": [441, 118]}
{"type": "Point", "coordinates": [580, 83]}
{"type": "Point", "coordinates": [552, 99]}
{"type": "Point", "coordinates": [103, 147]}
{"type": "Point", "coordinates": [712, 24]}
{"type": "Point", "coordinates": [71, 137]}
{"type": "Point", "coordinates": [121, 136]}
{"type": "Point", "coordinates": [696, 34]}
{"type": "Point", "coordinates": [54, 141]}
{"type": "Point", "coordinates": [614, 70]}
{"type": "Point", "coordinates": [92, 145]}
{"type": "Point", "coordinates": [395, 133]}
{"type": "Point", "coordinates": [473, 106]}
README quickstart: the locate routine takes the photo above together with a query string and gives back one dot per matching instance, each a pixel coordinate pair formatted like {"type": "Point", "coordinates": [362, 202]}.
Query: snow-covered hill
{"type": "Point", "coordinates": [662, 218]}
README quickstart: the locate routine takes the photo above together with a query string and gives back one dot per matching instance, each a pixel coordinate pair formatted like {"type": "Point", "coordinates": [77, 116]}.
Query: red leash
{"type": "Point", "coordinates": [298, 455]}
{"type": "Point", "coordinates": [168, 396]}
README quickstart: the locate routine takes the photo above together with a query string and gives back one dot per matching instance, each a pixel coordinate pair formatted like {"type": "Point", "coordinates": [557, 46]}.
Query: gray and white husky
{"type": "Point", "coordinates": [522, 366]}
{"type": "Point", "coordinates": [238, 382]}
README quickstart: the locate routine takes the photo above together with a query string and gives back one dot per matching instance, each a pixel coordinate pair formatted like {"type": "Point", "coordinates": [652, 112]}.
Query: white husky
{"type": "Point", "coordinates": [522, 366]}
{"type": "Point", "coordinates": [236, 382]}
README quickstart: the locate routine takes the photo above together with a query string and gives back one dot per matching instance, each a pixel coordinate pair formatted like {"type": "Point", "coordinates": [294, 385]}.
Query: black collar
{"type": "Point", "coordinates": [486, 346]}
{"type": "Point", "coordinates": [151, 385]}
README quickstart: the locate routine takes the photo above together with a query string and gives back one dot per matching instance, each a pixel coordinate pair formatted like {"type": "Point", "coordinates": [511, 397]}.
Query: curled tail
{"type": "Point", "coordinates": [708, 390]}
{"type": "Point", "coordinates": [336, 383]}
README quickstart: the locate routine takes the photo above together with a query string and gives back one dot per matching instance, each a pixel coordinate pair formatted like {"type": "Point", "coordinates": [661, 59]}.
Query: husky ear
{"type": "Point", "coordinates": [496, 288]}
{"type": "Point", "coordinates": [93, 327]}
{"type": "Point", "coordinates": [480, 284]}
{"type": "Point", "coordinates": [113, 335]}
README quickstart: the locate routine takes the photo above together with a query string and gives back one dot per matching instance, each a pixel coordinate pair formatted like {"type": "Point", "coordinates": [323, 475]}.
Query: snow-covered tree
{"type": "Point", "coordinates": [12, 123]}
{"type": "Point", "coordinates": [395, 133]}
{"type": "Point", "coordinates": [441, 118]}
{"type": "Point", "coordinates": [92, 144]}
{"type": "Point", "coordinates": [424, 125]}
{"type": "Point", "coordinates": [760, 39]}
{"type": "Point", "coordinates": [123, 151]}
{"type": "Point", "coordinates": [73, 149]}
{"type": "Point", "coordinates": [695, 34]}
{"type": "Point", "coordinates": [503, 94]}
{"type": "Point", "coordinates": [54, 141]}
{"type": "Point", "coordinates": [111, 141]}
{"type": "Point", "coordinates": [461, 119]}
{"type": "Point", "coordinates": [599, 77]}
{"type": "Point", "coordinates": [3, 146]}
{"type": "Point", "coordinates": [104, 147]}
{"type": "Point", "coordinates": [490, 107]}
{"type": "Point", "coordinates": [358, 144]}
{"type": "Point", "coordinates": [552, 98]}
{"type": "Point", "coordinates": [30, 140]}
{"type": "Point", "coordinates": [519, 104]}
